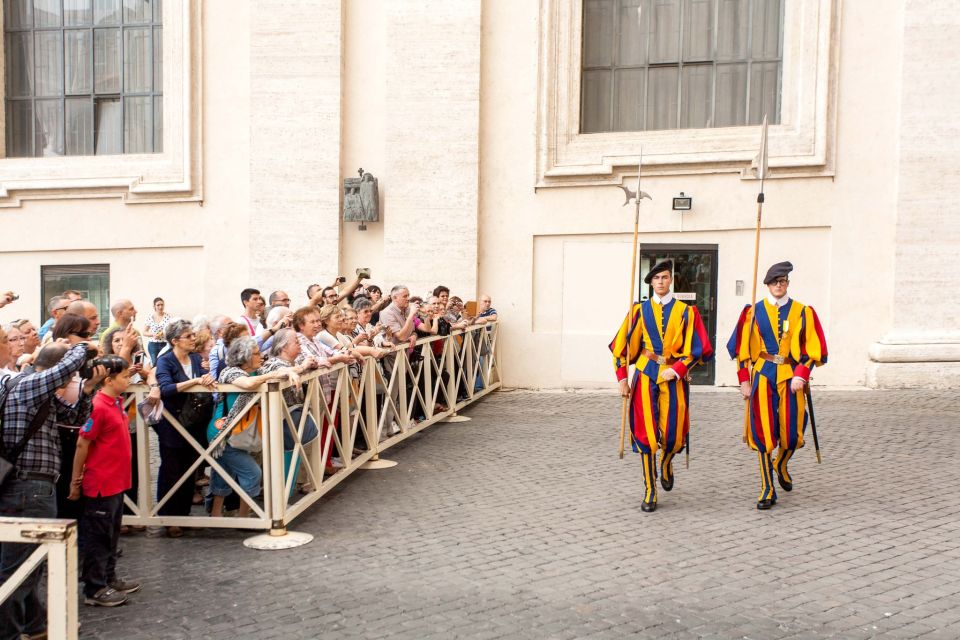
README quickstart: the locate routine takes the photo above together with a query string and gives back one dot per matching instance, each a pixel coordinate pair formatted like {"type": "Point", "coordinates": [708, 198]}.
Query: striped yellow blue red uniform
{"type": "Point", "coordinates": [659, 416]}
{"type": "Point", "coordinates": [775, 415]}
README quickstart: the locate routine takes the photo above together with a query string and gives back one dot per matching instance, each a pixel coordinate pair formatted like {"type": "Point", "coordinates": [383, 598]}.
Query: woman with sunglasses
{"type": "Point", "coordinates": [178, 370]}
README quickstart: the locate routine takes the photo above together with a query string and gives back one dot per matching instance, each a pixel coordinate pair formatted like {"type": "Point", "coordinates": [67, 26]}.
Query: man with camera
{"type": "Point", "coordinates": [30, 442]}
{"type": "Point", "coordinates": [400, 315]}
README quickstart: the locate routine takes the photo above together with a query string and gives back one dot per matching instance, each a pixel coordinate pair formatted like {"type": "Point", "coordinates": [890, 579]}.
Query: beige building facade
{"type": "Point", "coordinates": [469, 112]}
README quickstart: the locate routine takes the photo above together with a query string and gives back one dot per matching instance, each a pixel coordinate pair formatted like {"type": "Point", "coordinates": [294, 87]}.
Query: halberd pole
{"type": "Point", "coordinates": [761, 172]}
{"type": "Point", "coordinates": [637, 196]}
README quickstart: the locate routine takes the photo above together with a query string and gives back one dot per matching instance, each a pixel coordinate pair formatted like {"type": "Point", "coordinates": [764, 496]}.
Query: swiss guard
{"type": "Point", "coordinates": [776, 343]}
{"type": "Point", "coordinates": [665, 338]}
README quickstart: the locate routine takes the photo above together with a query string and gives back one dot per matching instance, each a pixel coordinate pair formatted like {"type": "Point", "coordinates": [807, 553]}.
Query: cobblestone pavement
{"type": "Point", "coordinates": [524, 524]}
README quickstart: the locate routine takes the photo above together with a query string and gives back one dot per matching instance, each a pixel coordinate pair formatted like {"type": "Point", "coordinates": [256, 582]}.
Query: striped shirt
{"type": "Point", "coordinates": [321, 352]}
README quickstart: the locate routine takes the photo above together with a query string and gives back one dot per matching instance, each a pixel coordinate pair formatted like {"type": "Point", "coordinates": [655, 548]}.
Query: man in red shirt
{"type": "Point", "coordinates": [101, 473]}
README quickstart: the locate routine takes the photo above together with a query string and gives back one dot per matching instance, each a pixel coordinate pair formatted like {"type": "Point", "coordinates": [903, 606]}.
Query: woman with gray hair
{"type": "Point", "coordinates": [243, 371]}
{"type": "Point", "coordinates": [283, 354]}
{"type": "Point", "coordinates": [178, 370]}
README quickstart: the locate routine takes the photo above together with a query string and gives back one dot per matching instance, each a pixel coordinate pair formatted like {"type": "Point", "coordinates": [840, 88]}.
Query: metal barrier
{"type": "Point", "coordinates": [56, 542]}
{"type": "Point", "coordinates": [359, 419]}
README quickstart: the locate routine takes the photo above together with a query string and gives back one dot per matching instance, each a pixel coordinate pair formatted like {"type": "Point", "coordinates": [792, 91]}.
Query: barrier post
{"type": "Point", "coordinates": [471, 377]}
{"type": "Point", "coordinates": [143, 462]}
{"type": "Point", "coordinates": [62, 586]}
{"type": "Point", "coordinates": [275, 496]}
{"type": "Point", "coordinates": [373, 418]}
{"type": "Point", "coordinates": [56, 547]}
{"type": "Point", "coordinates": [452, 386]}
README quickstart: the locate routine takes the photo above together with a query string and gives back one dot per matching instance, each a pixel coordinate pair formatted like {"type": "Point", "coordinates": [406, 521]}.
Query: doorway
{"type": "Point", "coordinates": [694, 282]}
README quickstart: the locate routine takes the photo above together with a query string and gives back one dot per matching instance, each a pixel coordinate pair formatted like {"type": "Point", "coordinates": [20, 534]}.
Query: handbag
{"type": "Point", "coordinates": [196, 413]}
{"type": "Point", "coordinates": [247, 433]}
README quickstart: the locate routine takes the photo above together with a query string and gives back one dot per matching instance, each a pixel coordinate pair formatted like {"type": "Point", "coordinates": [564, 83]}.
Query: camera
{"type": "Point", "coordinates": [363, 272]}
{"type": "Point", "coordinates": [113, 364]}
{"type": "Point", "coordinates": [14, 297]}
{"type": "Point", "coordinates": [341, 279]}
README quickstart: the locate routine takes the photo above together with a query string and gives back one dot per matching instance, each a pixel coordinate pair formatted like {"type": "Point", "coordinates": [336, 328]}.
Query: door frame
{"type": "Point", "coordinates": [714, 251]}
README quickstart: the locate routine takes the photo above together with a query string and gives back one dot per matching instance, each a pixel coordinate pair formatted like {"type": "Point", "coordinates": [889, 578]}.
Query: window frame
{"type": "Point", "coordinates": [801, 145]}
{"type": "Point", "coordinates": [92, 95]}
{"type": "Point", "coordinates": [173, 174]}
{"type": "Point", "coordinates": [49, 271]}
{"type": "Point", "coordinates": [712, 62]}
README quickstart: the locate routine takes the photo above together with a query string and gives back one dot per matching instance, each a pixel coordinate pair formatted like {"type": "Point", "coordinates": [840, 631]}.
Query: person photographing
{"type": "Point", "coordinates": [31, 444]}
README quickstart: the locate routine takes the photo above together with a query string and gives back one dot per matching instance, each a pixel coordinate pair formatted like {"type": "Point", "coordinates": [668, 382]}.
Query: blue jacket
{"type": "Point", "coordinates": [169, 374]}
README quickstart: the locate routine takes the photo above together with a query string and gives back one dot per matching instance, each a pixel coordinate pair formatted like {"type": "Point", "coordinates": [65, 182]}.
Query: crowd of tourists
{"type": "Point", "coordinates": [67, 441]}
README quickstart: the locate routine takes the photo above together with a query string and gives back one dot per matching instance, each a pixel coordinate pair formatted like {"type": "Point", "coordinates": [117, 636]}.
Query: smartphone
{"type": "Point", "coordinates": [138, 358]}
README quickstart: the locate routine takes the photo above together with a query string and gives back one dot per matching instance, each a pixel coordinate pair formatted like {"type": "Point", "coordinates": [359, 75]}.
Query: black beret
{"type": "Point", "coordinates": [666, 265]}
{"type": "Point", "coordinates": [777, 271]}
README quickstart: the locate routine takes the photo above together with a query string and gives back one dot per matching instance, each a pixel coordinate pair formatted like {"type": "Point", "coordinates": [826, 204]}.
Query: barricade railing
{"type": "Point", "coordinates": [56, 542]}
{"type": "Point", "coordinates": [358, 415]}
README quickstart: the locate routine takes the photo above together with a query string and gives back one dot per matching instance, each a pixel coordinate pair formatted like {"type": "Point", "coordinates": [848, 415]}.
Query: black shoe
{"type": "Point", "coordinates": [666, 472]}
{"type": "Point", "coordinates": [763, 505]}
{"type": "Point", "coordinates": [784, 484]}
{"type": "Point", "coordinates": [648, 507]}
{"type": "Point", "coordinates": [664, 482]}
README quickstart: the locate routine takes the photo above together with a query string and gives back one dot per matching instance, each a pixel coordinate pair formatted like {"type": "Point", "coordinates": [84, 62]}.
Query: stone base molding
{"type": "Point", "coordinates": [915, 361]}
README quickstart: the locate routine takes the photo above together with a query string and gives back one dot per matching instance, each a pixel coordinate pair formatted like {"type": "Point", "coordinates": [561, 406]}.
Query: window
{"type": "Point", "coordinates": [91, 280]}
{"type": "Point", "coordinates": [83, 77]}
{"type": "Point", "coordinates": [680, 64]}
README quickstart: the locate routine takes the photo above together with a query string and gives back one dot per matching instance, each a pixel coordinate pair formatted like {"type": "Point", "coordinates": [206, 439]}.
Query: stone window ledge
{"type": "Point", "coordinates": [802, 145]}
{"type": "Point", "coordinates": [174, 175]}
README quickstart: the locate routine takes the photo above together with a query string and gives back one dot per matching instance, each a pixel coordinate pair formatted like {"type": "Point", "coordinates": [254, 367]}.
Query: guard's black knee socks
{"type": "Point", "coordinates": [767, 492]}
{"type": "Point", "coordinates": [783, 457]}
{"type": "Point", "coordinates": [666, 469]}
{"type": "Point", "coordinates": [649, 478]}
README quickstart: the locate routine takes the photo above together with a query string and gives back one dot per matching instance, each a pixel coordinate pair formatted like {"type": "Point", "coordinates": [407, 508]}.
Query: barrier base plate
{"type": "Point", "coordinates": [378, 464]}
{"type": "Point", "coordinates": [267, 542]}
{"type": "Point", "coordinates": [456, 418]}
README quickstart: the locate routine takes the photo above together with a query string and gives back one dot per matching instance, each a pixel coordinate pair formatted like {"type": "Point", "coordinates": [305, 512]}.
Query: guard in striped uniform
{"type": "Point", "coordinates": [665, 338]}
{"type": "Point", "coordinates": [776, 344]}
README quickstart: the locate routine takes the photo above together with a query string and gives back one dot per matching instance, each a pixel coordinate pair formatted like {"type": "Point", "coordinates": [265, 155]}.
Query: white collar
{"type": "Point", "coordinates": [777, 303]}
{"type": "Point", "coordinates": [666, 299]}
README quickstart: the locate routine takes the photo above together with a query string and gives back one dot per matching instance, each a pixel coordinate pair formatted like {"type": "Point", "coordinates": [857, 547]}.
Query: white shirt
{"type": "Point", "coordinates": [666, 299]}
{"type": "Point", "coordinates": [255, 326]}
{"type": "Point", "coordinates": [777, 303]}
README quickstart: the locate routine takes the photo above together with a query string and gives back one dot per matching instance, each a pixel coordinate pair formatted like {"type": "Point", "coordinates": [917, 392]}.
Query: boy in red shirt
{"type": "Point", "coordinates": [101, 472]}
